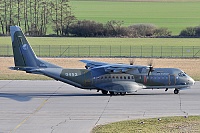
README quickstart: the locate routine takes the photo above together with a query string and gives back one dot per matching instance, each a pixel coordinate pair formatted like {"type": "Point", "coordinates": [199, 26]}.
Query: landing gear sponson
{"type": "Point", "coordinates": [176, 91]}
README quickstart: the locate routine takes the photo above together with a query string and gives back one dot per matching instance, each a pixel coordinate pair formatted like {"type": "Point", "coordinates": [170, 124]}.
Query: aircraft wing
{"type": "Point", "coordinates": [120, 86]}
{"type": "Point", "coordinates": [113, 68]}
{"type": "Point", "coordinates": [93, 64]}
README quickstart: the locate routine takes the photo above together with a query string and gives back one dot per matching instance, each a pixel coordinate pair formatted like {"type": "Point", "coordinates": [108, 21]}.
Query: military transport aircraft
{"type": "Point", "coordinates": [112, 78]}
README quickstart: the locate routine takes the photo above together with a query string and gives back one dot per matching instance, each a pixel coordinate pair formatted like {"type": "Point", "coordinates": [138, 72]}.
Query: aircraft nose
{"type": "Point", "coordinates": [191, 81]}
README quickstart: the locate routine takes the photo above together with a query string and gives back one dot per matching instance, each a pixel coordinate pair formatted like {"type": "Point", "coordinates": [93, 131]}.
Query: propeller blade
{"type": "Point", "coordinates": [150, 70]}
{"type": "Point", "coordinates": [150, 64]}
{"type": "Point", "coordinates": [132, 60]}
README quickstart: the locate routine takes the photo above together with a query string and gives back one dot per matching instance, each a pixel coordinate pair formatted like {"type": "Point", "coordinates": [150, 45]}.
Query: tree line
{"type": "Point", "coordinates": [113, 28]}
{"type": "Point", "coordinates": [36, 16]}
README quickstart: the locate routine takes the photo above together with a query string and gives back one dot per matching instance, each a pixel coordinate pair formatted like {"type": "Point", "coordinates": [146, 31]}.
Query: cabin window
{"type": "Point", "coordinates": [113, 77]}
{"type": "Point", "coordinates": [128, 77]}
{"type": "Point", "coordinates": [120, 77]}
{"type": "Point", "coordinates": [124, 77]}
{"type": "Point", "coordinates": [181, 74]}
{"type": "Point", "coordinates": [117, 77]}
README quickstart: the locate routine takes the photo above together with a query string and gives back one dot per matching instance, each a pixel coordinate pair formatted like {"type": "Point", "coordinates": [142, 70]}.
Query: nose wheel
{"type": "Point", "coordinates": [176, 91]}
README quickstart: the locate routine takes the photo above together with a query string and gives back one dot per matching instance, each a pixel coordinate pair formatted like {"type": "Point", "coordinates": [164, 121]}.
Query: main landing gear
{"type": "Point", "coordinates": [117, 93]}
{"type": "Point", "coordinates": [104, 92]}
{"type": "Point", "coordinates": [113, 93]}
{"type": "Point", "coordinates": [176, 91]}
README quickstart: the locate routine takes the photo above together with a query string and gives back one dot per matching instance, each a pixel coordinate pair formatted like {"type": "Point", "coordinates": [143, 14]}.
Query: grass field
{"type": "Point", "coordinates": [166, 125]}
{"type": "Point", "coordinates": [107, 41]}
{"type": "Point", "coordinates": [175, 15]}
{"type": "Point", "coordinates": [109, 47]}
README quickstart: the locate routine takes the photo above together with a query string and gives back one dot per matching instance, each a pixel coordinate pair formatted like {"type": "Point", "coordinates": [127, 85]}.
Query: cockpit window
{"type": "Point", "coordinates": [182, 74]}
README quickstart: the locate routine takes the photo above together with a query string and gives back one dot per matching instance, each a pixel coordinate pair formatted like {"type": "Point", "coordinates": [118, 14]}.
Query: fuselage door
{"type": "Point", "coordinates": [88, 78]}
{"type": "Point", "coordinates": [172, 80]}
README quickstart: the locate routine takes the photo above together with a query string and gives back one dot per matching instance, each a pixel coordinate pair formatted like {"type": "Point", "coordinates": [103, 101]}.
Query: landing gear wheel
{"type": "Point", "coordinates": [176, 91]}
{"type": "Point", "coordinates": [122, 93]}
{"type": "Point", "coordinates": [104, 92]}
{"type": "Point", "coordinates": [112, 93]}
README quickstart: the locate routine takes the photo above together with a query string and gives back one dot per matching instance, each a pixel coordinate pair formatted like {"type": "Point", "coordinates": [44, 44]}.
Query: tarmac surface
{"type": "Point", "coordinates": [54, 107]}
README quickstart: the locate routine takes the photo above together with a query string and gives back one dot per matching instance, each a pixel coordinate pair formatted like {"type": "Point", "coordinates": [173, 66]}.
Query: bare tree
{"type": "Point", "coordinates": [35, 15]}
{"type": "Point", "coordinates": [62, 17]}
{"type": "Point", "coordinates": [2, 16]}
{"type": "Point", "coordinates": [5, 16]}
{"type": "Point", "coordinates": [18, 12]}
{"type": "Point", "coordinates": [45, 13]}
{"type": "Point", "coordinates": [113, 27]}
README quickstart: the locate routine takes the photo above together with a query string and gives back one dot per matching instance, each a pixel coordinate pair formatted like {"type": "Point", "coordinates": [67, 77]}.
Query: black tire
{"type": "Point", "coordinates": [122, 93]}
{"type": "Point", "coordinates": [104, 92]}
{"type": "Point", "coordinates": [176, 91]}
{"type": "Point", "coordinates": [112, 93]}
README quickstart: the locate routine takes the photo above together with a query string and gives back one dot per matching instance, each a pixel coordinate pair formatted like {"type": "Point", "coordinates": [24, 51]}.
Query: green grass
{"type": "Point", "coordinates": [109, 47]}
{"type": "Point", "coordinates": [173, 15]}
{"type": "Point", "coordinates": [166, 125]}
{"type": "Point", "coordinates": [107, 41]}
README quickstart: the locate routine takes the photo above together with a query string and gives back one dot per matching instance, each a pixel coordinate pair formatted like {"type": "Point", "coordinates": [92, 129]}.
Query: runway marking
{"type": "Point", "coordinates": [37, 109]}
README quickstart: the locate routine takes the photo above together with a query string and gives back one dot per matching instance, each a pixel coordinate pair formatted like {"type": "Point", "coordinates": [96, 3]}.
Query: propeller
{"type": "Point", "coordinates": [150, 64]}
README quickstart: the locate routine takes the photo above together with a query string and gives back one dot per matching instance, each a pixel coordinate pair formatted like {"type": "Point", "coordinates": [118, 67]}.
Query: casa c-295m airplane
{"type": "Point", "coordinates": [106, 77]}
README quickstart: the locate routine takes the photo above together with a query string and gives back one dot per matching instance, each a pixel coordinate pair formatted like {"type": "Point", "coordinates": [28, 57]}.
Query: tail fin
{"type": "Point", "coordinates": [24, 55]}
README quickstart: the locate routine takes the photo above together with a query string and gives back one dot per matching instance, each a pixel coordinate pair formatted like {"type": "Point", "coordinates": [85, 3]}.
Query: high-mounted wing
{"type": "Point", "coordinates": [115, 68]}
{"type": "Point", "coordinates": [92, 64]}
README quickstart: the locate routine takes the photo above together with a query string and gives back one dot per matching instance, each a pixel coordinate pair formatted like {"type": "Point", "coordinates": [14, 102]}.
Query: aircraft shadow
{"type": "Point", "coordinates": [23, 97]}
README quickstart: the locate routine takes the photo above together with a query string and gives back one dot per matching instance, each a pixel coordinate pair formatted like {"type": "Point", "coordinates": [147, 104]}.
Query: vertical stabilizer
{"type": "Point", "coordinates": [22, 51]}
{"type": "Point", "coordinates": [24, 55]}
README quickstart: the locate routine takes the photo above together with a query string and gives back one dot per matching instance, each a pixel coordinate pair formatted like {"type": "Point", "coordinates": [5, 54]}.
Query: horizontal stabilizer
{"type": "Point", "coordinates": [28, 69]}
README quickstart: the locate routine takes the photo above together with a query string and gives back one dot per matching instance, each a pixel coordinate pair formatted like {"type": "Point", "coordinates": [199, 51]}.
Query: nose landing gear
{"type": "Point", "coordinates": [176, 91]}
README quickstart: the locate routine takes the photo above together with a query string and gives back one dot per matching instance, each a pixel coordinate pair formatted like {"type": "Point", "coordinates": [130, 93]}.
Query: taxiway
{"type": "Point", "coordinates": [51, 106]}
